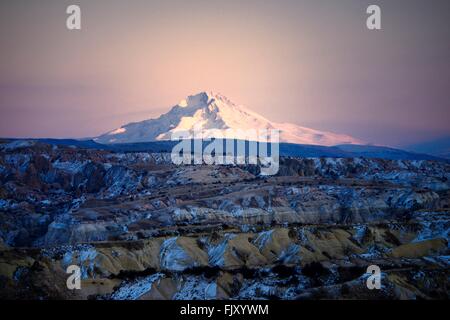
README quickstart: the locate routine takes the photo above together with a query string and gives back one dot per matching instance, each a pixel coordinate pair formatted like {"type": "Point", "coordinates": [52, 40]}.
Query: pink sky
{"type": "Point", "coordinates": [312, 63]}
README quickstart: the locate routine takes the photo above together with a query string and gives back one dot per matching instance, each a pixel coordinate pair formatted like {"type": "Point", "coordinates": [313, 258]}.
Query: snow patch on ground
{"type": "Point", "coordinates": [136, 289]}
{"type": "Point", "coordinates": [196, 288]}
{"type": "Point", "coordinates": [69, 166]}
{"type": "Point", "coordinates": [173, 257]}
{"type": "Point", "coordinates": [216, 253]}
{"type": "Point", "coordinates": [118, 131]}
{"type": "Point", "coordinates": [360, 232]}
{"type": "Point", "coordinates": [82, 256]}
{"type": "Point", "coordinates": [256, 290]}
{"type": "Point", "coordinates": [263, 238]}
{"type": "Point", "coordinates": [434, 225]}
{"type": "Point", "coordinates": [291, 254]}
{"type": "Point", "coordinates": [17, 144]}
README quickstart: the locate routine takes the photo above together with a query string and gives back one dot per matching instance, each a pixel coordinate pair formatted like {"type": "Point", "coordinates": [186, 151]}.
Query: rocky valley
{"type": "Point", "coordinates": [140, 227]}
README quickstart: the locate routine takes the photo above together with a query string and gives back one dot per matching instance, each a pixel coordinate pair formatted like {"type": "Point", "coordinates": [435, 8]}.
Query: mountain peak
{"type": "Point", "coordinates": [199, 99]}
{"type": "Point", "coordinates": [203, 99]}
{"type": "Point", "coordinates": [215, 113]}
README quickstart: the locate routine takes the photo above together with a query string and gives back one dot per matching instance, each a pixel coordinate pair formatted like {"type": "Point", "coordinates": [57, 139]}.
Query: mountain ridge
{"type": "Point", "coordinates": [439, 147]}
{"type": "Point", "coordinates": [286, 149]}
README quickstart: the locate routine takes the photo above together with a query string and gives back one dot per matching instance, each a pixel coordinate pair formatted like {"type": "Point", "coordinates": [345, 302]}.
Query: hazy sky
{"type": "Point", "coordinates": [313, 63]}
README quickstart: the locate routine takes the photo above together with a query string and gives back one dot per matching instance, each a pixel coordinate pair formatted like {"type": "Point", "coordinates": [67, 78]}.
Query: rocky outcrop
{"type": "Point", "coordinates": [289, 263]}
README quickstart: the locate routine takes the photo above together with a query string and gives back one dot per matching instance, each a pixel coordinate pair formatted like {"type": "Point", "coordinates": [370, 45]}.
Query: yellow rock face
{"type": "Point", "coordinates": [420, 249]}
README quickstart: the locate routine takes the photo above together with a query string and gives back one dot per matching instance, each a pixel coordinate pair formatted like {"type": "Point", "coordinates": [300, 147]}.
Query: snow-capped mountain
{"type": "Point", "coordinates": [215, 113]}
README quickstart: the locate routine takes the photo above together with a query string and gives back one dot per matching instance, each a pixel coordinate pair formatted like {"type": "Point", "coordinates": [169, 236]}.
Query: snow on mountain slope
{"type": "Point", "coordinates": [215, 113]}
